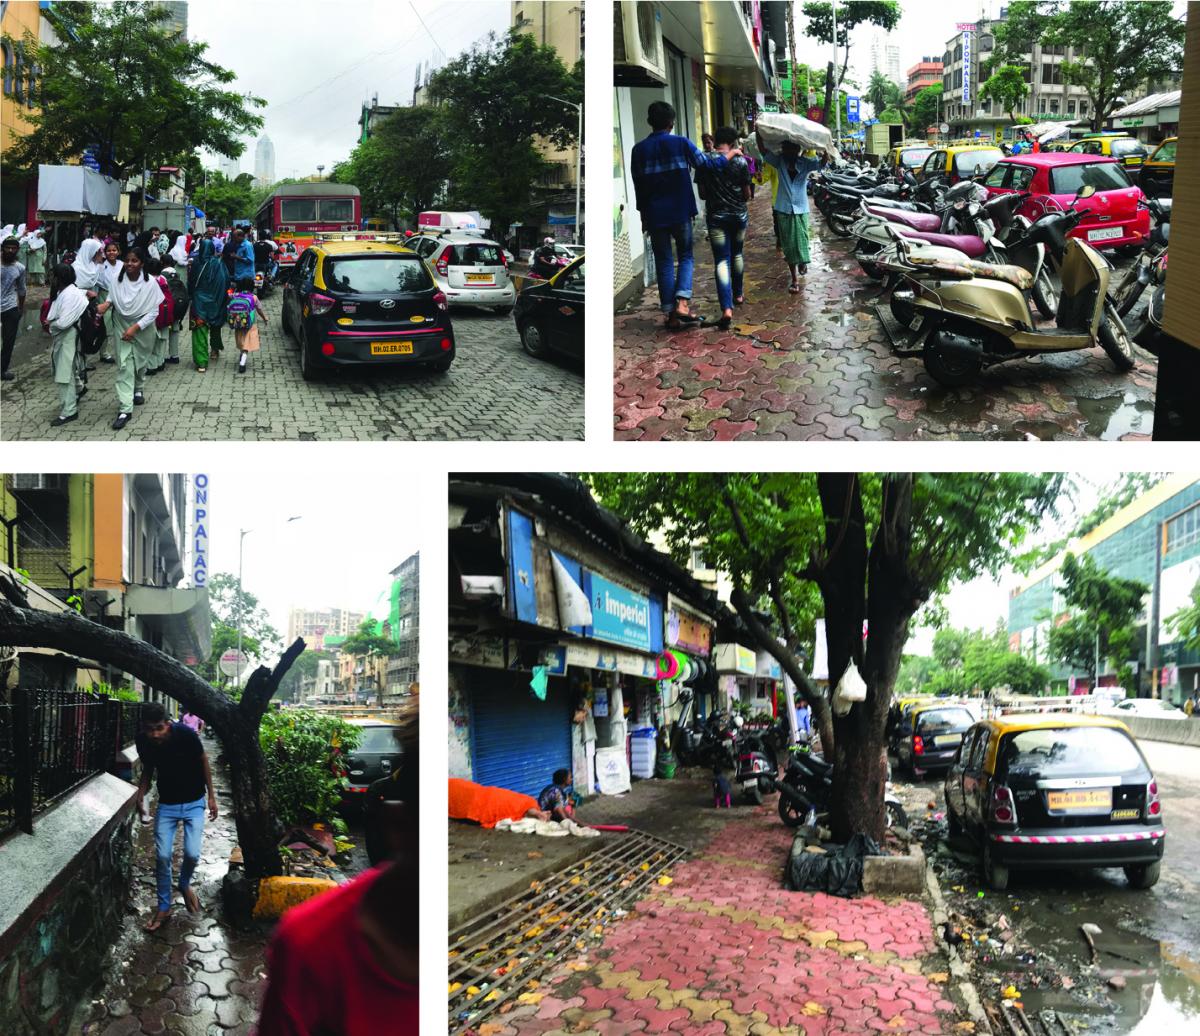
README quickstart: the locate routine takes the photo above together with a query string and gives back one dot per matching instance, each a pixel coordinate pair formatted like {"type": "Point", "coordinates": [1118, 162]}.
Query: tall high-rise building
{"type": "Point", "coordinates": [885, 57]}
{"type": "Point", "coordinates": [264, 160]}
{"type": "Point", "coordinates": [177, 11]}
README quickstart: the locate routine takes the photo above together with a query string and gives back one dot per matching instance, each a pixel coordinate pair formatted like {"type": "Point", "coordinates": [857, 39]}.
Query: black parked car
{"type": "Point", "coordinates": [377, 756]}
{"type": "Point", "coordinates": [549, 314]}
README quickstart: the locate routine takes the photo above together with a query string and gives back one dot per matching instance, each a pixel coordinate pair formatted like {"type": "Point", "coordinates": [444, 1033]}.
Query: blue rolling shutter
{"type": "Point", "coordinates": [517, 742]}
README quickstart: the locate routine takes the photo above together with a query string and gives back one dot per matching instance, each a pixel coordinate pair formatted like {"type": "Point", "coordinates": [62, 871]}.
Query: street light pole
{"type": "Point", "coordinates": [242, 533]}
{"type": "Point", "coordinates": [578, 158]}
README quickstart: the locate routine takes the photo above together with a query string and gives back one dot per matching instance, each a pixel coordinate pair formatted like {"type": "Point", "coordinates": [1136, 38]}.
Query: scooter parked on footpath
{"type": "Point", "coordinates": [1140, 275]}
{"type": "Point", "coordinates": [970, 315]}
{"type": "Point", "coordinates": [806, 789]}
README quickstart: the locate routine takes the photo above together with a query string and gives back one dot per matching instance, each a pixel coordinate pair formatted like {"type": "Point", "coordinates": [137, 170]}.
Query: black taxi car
{"type": "Point", "coordinates": [365, 302]}
{"type": "Point", "coordinates": [549, 314]}
{"type": "Point", "coordinates": [1056, 790]}
{"type": "Point", "coordinates": [929, 736]}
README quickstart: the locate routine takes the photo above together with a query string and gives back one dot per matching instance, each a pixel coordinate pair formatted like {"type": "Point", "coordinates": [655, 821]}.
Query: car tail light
{"type": "Point", "coordinates": [439, 300]}
{"type": "Point", "coordinates": [443, 261]}
{"type": "Point", "coordinates": [503, 259]}
{"type": "Point", "coordinates": [319, 304]}
{"type": "Point", "coordinates": [1003, 809]}
{"type": "Point", "coordinates": [327, 349]}
{"type": "Point", "coordinates": [446, 344]}
{"type": "Point", "coordinates": [1153, 806]}
{"type": "Point", "coordinates": [918, 745]}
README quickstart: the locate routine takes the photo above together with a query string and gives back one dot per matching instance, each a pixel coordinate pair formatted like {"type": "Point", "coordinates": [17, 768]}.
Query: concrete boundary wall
{"type": "Point", "coordinates": [1177, 732]}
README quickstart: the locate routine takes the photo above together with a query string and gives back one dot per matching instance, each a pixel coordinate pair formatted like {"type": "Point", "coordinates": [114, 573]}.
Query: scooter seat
{"type": "Point", "coordinates": [968, 244]}
{"type": "Point", "coordinates": [967, 269]}
{"type": "Point", "coordinates": [916, 220]}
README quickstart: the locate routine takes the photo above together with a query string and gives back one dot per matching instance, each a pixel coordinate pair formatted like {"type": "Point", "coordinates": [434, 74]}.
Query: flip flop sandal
{"type": "Point", "coordinates": [189, 896]}
{"type": "Point", "coordinates": [156, 922]}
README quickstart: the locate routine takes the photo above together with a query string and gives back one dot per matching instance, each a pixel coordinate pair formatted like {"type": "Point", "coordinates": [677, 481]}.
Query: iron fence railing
{"type": "Point", "coordinates": [51, 742]}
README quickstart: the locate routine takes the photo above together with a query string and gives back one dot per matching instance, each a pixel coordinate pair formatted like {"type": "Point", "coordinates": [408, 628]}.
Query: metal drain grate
{"type": "Point", "coordinates": [496, 955]}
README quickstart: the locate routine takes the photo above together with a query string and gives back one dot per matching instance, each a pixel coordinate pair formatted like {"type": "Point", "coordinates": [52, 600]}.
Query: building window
{"type": "Point", "coordinates": [1083, 109]}
{"type": "Point", "coordinates": [1184, 529]}
{"type": "Point", "coordinates": [1071, 106]}
{"type": "Point", "coordinates": [1027, 72]}
{"type": "Point", "coordinates": [1052, 74]}
{"type": "Point", "coordinates": [1053, 105]}
{"type": "Point", "coordinates": [946, 58]}
{"type": "Point", "coordinates": [958, 53]}
{"type": "Point", "coordinates": [947, 82]}
{"type": "Point", "coordinates": [958, 79]}
{"type": "Point", "coordinates": [699, 564]}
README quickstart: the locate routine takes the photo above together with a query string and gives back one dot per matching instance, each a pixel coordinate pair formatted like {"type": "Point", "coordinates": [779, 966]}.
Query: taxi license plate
{"type": "Point", "coordinates": [1099, 798]}
{"type": "Point", "coordinates": [391, 348]}
{"type": "Point", "coordinates": [946, 740]}
{"type": "Point", "coordinates": [1103, 234]}
{"type": "Point", "coordinates": [480, 278]}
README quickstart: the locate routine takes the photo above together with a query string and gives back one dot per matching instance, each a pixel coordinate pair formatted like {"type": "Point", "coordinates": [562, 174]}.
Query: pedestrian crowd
{"type": "Point", "coordinates": [726, 174]}
{"type": "Point", "coordinates": [125, 296]}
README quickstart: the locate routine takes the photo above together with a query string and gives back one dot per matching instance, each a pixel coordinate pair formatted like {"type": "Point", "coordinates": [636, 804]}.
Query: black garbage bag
{"type": "Point", "coordinates": [837, 872]}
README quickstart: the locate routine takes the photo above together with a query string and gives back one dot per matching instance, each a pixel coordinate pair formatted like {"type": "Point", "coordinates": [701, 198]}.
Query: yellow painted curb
{"type": "Point", "coordinates": [278, 894]}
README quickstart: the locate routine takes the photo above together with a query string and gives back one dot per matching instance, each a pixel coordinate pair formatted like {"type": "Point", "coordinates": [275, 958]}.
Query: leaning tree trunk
{"type": "Point", "coordinates": [236, 723]}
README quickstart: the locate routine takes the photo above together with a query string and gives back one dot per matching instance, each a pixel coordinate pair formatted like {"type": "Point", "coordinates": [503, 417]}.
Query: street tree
{"type": "Point", "coordinates": [119, 81]}
{"type": "Point", "coordinates": [877, 91]}
{"type": "Point", "coordinates": [223, 200]}
{"type": "Point", "coordinates": [369, 642]}
{"type": "Point", "coordinates": [1120, 44]}
{"type": "Point", "coordinates": [236, 723]}
{"type": "Point", "coordinates": [305, 668]}
{"type": "Point", "coordinates": [1007, 87]}
{"type": "Point", "coordinates": [1102, 612]}
{"type": "Point", "coordinates": [875, 548]}
{"type": "Point", "coordinates": [496, 101]}
{"type": "Point", "coordinates": [925, 107]}
{"type": "Point", "coordinates": [885, 14]}
{"type": "Point", "coordinates": [1185, 623]}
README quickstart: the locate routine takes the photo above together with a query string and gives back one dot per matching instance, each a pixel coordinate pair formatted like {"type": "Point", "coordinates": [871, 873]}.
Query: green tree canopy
{"type": "Point", "coordinates": [260, 639]}
{"type": "Point", "coordinates": [495, 100]}
{"type": "Point", "coordinates": [1121, 44]}
{"type": "Point", "coordinates": [1185, 623]}
{"type": "Point", "coordinates": [925, 107]}
{"type": "Point", "coordinates": [224, 200]}
{"type": "Point", "coordinates": [120, 81]}
{"type": "Point", "coordinates": [877, 91]}
{"type": "Point", "coordinates": [875, 548]}
{"type": "Point", "coordinates": [820, 17]}
{"type": "Point", "coordinates": [1007, 87]}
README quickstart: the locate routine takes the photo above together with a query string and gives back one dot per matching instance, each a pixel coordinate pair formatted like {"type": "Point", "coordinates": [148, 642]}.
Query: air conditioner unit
{"type": "Point", "coordinates": [638, 55]}
{"type": "Point", "coordinates": [29, 483]}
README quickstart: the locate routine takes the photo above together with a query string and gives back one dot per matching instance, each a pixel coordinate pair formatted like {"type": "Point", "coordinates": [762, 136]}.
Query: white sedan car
{"type": "Point", "coordinates": [1150, 708]}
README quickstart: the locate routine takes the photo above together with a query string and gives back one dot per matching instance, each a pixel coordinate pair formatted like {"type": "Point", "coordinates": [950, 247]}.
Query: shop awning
{"type": "Point", "coordinates": [184, 615]}
{"type": "Point", "coordinates": [735, 659]}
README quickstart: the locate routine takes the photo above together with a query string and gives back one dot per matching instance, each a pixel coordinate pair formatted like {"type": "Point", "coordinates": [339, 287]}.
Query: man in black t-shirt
{"type": "Point", "coordinates": [725, 191]}
{"type": "Point", "coordinates": [174, 751]}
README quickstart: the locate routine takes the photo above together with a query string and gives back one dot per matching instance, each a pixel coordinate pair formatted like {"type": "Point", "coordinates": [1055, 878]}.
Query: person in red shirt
{"type": "Point", "coordinates": [346, 962]}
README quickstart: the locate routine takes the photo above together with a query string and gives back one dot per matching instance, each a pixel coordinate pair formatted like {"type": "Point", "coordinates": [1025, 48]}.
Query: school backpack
{"type": "Point", "coordinates": [240, 313]}
{"type": "Point", "coordinates": [166, 315]}
{"type": "Point", "coordinates": [90, 326]}
{"type": "Point", "coordinates": [179, 295]}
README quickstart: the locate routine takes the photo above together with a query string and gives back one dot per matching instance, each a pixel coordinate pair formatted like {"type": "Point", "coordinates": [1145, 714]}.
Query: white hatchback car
{"type": "Point", "coordinates": [471, 270]}
{"type": "Point", "coordinates": [1150, 708]}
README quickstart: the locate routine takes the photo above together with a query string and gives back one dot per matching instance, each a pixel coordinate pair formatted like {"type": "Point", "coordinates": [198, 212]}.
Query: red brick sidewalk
{"type": "Point", "coordinates": [724, 949]}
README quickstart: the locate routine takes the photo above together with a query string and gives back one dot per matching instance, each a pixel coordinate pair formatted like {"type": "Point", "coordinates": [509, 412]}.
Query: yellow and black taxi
{"type": "Point", "coordinates": [1056, 790]}
{"type": "Point", "coordinates": [1156, 178]}
{"type": "Point", "coordinates": [954, 162]}
{"type": "Point", "coordinates": [907, 156]}
{"type": "Point", "coordinates": [929, 736]}
{"type": "Point", "coordinates": [365, 302]}
{"type": "Point", "coordinates": [549, 314]}
{"type": "Point", "coordinates": [1127, 150]}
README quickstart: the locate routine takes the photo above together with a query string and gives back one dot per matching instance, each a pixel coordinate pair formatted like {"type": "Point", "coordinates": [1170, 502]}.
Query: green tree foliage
{"type": "Point", "coordinates": [119, 80]}
{"type": "Point", "coordinates": [403, 168]}
{"type": "Point", "coordinates": [819, 16]}
{"type": "Point", "coordinates": [1119, 493]}
{"type": "Point", "coordinates": [259, 638]}
{"type": "Point", "coordinates": [1103, 611]}
{"type": "Point", "coordinates": [305, 754]}
{"type": "Point", "coordinates": [369, 641]}
{"type": "Point", "coordinates": [1185, 623]}
{"type": "Point", "coordinates": [1121, 43]}
{"type": "Point", "coordinates": [971, 662]}
{"type": "Point", "coordinates": [224, 200]}
{"type": "Point", "coordinates": [875, 548]}
{"type": "Point", "coordinates": [1007, 87]}
{"type": "Point", "coordinates": [925, 108]}
{"type": "Point", "coordinates": [304, 668]}
{"type": "Point", "coordinates": [495, 102]}
{"type": "Point", "coordinates": [878, 91]}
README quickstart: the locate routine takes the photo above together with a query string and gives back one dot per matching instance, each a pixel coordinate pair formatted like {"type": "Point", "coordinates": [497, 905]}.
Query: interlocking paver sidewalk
{"type": "Point", "coordinates": [724, 949]}
{"type": "Point", "coordinates": [819, 366]}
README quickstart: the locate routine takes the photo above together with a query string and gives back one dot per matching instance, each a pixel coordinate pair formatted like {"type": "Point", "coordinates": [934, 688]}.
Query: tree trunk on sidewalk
{"type": "Point", "coordinates": [236, 723]}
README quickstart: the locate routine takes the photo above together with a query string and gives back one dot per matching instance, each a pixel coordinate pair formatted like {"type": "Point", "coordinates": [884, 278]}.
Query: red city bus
{"type": "Point", "coordinates": [294, 212]}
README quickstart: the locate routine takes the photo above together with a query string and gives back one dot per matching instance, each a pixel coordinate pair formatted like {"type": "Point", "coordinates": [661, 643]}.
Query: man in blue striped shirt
{"type": "Point", "coordinates": [661, 167]}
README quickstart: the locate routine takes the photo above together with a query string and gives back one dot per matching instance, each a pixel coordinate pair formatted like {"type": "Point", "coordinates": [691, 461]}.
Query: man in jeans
{"type": "Point", "coordinates": [176, 753]}
{"type": "Point", "coordinates": [661, 168]}
{"type": "Point", "coordinates": [12, 302]}
{"type": "Point", "coordinates": [726, 192]}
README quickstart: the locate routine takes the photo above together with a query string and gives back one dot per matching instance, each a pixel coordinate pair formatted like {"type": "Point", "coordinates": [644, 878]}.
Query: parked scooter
{"type": "Point", "coordinates": [971, 315]}
{"type": "Point", "coordinates": [1140, 275]}
{"type": "Point", "coordinates": [1147, 328]}
{"type": "Point", "coordinates": [806, 788]}
{"type": "Point", "coordinates": [263, 282]}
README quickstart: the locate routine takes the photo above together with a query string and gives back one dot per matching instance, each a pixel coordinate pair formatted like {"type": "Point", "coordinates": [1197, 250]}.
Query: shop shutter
{"type": "Point", "coordinates": [517, 742]}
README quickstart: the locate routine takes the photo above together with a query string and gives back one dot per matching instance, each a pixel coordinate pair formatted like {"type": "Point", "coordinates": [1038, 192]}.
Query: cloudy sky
{"type": "Point", "coordinates": [351, 533]}
{"type": "Point", "coordinates": [315, 63]}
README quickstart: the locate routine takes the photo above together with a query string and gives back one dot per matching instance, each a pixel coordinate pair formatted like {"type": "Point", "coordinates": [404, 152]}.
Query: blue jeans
{"type": "Point", "coordinates": [727, 234]}
{"type": "Point", "coordinates": [191, 815]}
{"type": "Point", "coordinates": [673, 284]}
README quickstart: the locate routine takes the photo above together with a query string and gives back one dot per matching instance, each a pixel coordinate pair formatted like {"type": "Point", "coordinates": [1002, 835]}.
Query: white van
{"type": "Point", "coordinates": [441, 220]}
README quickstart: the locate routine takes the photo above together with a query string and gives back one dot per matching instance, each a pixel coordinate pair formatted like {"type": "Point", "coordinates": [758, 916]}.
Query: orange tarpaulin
{"type": "Point", "coordinates": [485, 805]}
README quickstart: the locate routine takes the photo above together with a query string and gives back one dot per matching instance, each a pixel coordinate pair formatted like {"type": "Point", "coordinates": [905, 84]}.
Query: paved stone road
{"type": "Point", "coordinates": [819, 366]}
{"type": "Point", "coordinates": [493, 391]}
{"type": "Point", "coordinates": [724, 949]}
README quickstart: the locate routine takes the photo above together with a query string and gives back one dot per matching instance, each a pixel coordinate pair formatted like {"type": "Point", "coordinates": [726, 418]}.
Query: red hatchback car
{"type": "Point", "coordinates": [1113, 217]}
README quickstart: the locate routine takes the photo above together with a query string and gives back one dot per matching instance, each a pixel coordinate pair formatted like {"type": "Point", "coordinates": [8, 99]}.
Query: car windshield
{"type": "Point", "coordinates": [574, 279]}
{"type": "Point", "coordinates": [377, 274]}
{"type": "Point", "coordinates": [915, 157]}
{"type": "Point", "coordinates": [378, 740]}
{"type": "Point", "coordinates": [477, 255]}
{"type": "Point", "coordinates": [1104, 176]}
{"type": "Point", "coordinates": [1125, 146]}
{"type": "Point", "coordinates": [941, 721]}
{"type": "Point", "coordinates": [1166, 153]}
{"type": "Point", "coordinates": [1070, 752]}
{"type": "Point", "coordinates": [971, 162]}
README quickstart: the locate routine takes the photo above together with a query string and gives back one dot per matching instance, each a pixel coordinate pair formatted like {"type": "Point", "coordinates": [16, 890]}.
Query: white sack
{"type": "Point", "coordinates": [776, 127]}
{"type": "Point", "coordinates": [612, 771]}
{"type": "Point", "coordinates": [851, 688]}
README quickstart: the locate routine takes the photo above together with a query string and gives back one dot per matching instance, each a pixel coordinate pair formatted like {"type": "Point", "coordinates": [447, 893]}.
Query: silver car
{"type": "Point", "coordinates": [470, 270]}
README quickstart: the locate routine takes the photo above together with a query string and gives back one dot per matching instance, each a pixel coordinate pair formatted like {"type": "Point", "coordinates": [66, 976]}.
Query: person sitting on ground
{"type": "Point", "coordinates": [555, 798]}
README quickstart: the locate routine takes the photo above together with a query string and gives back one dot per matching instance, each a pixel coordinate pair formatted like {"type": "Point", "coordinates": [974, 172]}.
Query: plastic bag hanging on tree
{"type": "Point", "coordinates": [851, 688]}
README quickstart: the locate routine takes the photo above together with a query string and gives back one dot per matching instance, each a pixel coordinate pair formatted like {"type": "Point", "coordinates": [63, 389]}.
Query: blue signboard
{"type": "Point", "coordinates": [619, 616]}
{"type": "Point", "coordinates": [852, 109]}
{"type": "Point", "coordinates": [521, 594]}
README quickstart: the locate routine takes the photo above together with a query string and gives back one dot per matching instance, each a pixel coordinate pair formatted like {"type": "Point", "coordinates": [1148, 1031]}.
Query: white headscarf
{"type": "Point", "coordinates": [136, 299]}
{"type": "Point", "coordinates": [21, 230]}
{"type": "Point", "coordinates": [108, 273]}
{"type": "Point", "coordinates": [6, 233]}
{"type": "Point", "coordinates": [179, 252]}
{"type": "Point", "coordinates": [36, 240]}
{"type": "Point", "coordinates": [86, 270]}
{"type": "Point", "coordinates": [67, 307]}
